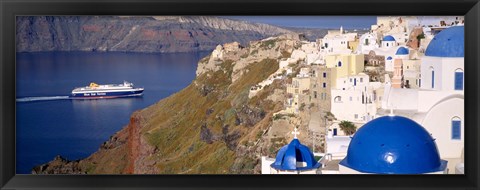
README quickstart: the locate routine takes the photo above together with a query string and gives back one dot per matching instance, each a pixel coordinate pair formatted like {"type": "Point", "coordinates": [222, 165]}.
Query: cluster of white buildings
{"type": "Point", "coordinates": [411, 123]}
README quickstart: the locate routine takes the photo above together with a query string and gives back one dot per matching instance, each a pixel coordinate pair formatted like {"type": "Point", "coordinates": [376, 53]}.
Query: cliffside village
{"type": "Point", "coordinates": [388, 101]}
{"type": "Point", "coordinates": [404, 66]}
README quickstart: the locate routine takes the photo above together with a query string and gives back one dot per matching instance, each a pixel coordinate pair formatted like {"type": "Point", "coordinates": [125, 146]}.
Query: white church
{"type": "Point", "coordinates": [439, 103]}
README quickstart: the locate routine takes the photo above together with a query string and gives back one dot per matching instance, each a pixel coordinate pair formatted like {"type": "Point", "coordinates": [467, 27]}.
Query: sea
{"type": "Point", "coordinates": [49, 123]}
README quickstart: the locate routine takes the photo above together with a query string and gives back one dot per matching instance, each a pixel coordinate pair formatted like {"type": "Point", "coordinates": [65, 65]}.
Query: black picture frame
{"type": "Point", "coordinates": [9, 9]}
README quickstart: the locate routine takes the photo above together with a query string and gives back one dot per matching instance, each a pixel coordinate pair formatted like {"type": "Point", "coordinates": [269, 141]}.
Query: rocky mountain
{"type": "Point", "coordinates": [211, 126]}
{"type": "Point", "coordinates": [134, 33]}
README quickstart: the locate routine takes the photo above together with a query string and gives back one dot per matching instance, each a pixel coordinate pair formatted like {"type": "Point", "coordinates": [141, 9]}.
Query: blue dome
{"type": "Point", "coordinates": [388, 38]}
{"type": "Point", "coordinates": [389, 58]}
{"type": "Point", "coordinates": [393, 145]}
{"type": "Point", "coordinates": [289, 155]}
{"type": "Point", "coordinates": [402, 51]}
{"type": "Point", "coordinates": [448, 43]}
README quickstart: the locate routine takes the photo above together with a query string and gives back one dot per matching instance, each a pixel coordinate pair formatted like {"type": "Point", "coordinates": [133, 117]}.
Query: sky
{"type": "Point", "coordinates": [348, 22]}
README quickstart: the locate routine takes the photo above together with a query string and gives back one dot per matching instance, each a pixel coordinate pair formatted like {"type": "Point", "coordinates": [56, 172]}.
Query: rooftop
{"type": "Point", "coordinates": [393, 145]}
{"type": "Point", "coordinates": [388, 38]}
{"type": "Point", "coordinates": [448, 43]}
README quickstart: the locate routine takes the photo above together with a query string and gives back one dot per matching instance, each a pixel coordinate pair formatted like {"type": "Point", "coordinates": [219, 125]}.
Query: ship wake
{"type": "Point", "coordinates": [43, 98]}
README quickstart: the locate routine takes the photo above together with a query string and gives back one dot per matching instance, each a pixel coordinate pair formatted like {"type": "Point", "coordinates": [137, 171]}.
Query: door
{"type": "Point", "coordinates": [334, 132]}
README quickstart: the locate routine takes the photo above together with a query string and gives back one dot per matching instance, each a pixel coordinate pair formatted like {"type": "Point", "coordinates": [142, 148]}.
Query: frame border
{"type": "Point", "coordinates": [9, 9]}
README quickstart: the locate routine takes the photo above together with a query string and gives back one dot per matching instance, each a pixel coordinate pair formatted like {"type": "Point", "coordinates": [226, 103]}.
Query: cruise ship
{"type": "Point", "coordinates": [106, 91]}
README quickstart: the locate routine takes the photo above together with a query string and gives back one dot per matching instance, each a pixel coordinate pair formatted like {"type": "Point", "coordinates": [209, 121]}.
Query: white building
{"type": "Point", "coordinates": [336, 42]}
{"type": "Point", "coordinates": [355, 99]}
{"type": "Point", "coordinates": [388, 42]}
{"type": "Point", "coordinates": [388, 47]}
{"type": "Point", "coordinates": [367, 43]}
{"type": "Point", "coordinates": [439, 103]}
{"type": "Point", "coordinates": [411, 73]}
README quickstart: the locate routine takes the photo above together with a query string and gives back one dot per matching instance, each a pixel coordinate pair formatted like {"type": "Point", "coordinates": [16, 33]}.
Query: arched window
{"type": "Point", "coordinates": [458, 79]}
{"type": "Point", "coordinates": [337, 99]}
{"type": "Point", "coordinates": [339, 63]}
{"type": "Point", "coordinates": [433, 77]}
{"type": "Point", "coordinates": [456, 128]}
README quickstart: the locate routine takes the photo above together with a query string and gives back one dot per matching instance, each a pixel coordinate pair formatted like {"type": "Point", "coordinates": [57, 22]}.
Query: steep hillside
{"type": "Point", "coordinates": [211, 126]}
{"type": "Point", "coordinates": [135, 34]}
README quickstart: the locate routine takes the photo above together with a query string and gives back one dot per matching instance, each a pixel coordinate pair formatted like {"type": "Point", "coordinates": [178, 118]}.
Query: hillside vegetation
{"type": "Point", "coordinates": [211, 126]}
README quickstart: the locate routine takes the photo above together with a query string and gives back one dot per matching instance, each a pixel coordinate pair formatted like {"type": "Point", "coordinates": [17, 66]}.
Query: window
{"type": "Point", "coordinates": [456, 128]}
{"type": "Point", "coordinates": [324, 75]}
{"type": "Point", "coordinates": [315, 94]}
{"type": "Point", "coordinates": [433, 77]}
{"type": "Point", "coordinates": [326, 45]}
{"type": "Point", "coordinates": [338, 99]}
{"type": "Point", "coordinates": [351, 99]}
{"type": "Point", "coordinates": [324, 85]}
{"type": "Point", "coordinates": [339, 63]}
{"type": "Point", "coordinates": [458, 79]}
{"type": "Point", "coordinates": [361, 79]}
{"type": "Point", "coordinates": [356, 116]}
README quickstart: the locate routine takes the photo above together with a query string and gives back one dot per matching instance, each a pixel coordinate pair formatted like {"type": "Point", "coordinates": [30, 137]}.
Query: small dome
{"type": "Point", "coordinates": [393, 145]}
{"type": "Point", "coordinates": [389, 58]}
{"type": "Point", "coordinates": [388, 38]}
{"type": "Point", "coordinates": [448, 43]}
{"type": "Point", "coordinates": [402, 51]}
{"type": "Point", "coordinates": [289, 155]}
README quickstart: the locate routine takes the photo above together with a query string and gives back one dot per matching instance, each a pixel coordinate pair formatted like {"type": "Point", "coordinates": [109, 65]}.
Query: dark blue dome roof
{"type": "Point", "coordinates": [389, 58]}
{"type": "Point", "coordinates": [289, 155]}
{"type": "Point", "coordinates": [393, 145]}
{"type": "Point", "coordinates": [448, 43]}
{"type": "Point", "coordinates": [402, 51]}
{"type": "Point", "coordinates": [388, 38]}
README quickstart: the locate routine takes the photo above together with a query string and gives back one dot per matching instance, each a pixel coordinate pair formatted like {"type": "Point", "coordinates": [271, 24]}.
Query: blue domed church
{"type": "Point", "coordinates": [294, 158]}
{"type": "Point", "coordinates": [388, 42]}
{"type": "Point", "coordinates": [442, 66]}
{"type": "Point", "coordinates": [392, 145]}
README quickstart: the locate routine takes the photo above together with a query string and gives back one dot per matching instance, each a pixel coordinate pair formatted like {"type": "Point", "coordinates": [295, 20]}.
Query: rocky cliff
{"type": "Point", "coordinates": [211, 126]}
{"type": "Point", "coordinates": [135, 34]}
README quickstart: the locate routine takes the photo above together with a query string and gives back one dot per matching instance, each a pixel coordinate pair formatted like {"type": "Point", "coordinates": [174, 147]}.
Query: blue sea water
{"type": "Point", "coordinates": [50, 124]}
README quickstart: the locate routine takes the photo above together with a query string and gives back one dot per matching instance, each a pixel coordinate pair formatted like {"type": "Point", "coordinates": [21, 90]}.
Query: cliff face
{"type": "Point", "coordinates": [211, 126]}
{"type": "Point", "coordinates": [135, 34]}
